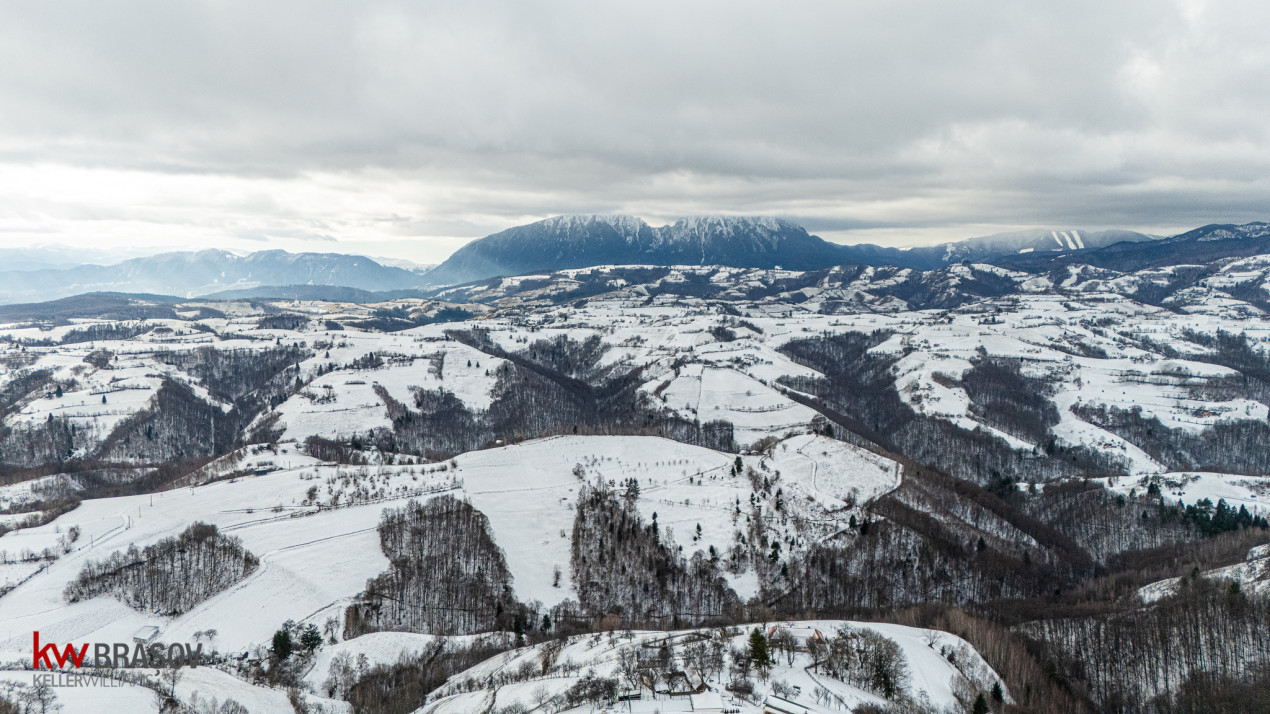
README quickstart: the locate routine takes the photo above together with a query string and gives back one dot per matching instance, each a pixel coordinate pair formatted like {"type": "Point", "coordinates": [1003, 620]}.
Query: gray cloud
{"type": "Point", "coordinates": [383, 121]}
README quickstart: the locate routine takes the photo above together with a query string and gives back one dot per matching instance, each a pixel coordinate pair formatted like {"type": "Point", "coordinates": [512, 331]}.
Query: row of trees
{"type": "Point", "coordinates": [1100, 521]}
{"type": "Point", "coordinates": [20, 698]}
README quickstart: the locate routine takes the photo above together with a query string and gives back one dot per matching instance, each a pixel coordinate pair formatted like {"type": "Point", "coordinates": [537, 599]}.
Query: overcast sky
{"type": "Point", "coordinates": [406, 129]}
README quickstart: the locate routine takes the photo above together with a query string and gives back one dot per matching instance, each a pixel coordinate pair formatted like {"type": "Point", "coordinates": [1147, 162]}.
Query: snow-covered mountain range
{"type": "Point", "coordinates": [558, 243]}
{"type": "Point", "coordinates": [742, 242]}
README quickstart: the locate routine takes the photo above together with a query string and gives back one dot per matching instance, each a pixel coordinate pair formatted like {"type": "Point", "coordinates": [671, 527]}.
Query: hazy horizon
{"type": "Point", "coordinates": [60, 255]}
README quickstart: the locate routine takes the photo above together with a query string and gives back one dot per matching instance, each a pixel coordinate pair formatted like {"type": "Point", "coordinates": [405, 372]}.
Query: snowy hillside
{"type": "Point", "coordinates": [653, 449]}
{"type": "Point", "coordinates": [321, 554]}
{"type": "Point", "coordinates": [550, 673]}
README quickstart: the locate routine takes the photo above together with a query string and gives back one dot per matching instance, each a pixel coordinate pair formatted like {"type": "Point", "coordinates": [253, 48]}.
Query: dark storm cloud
{"type": "Point", "coordinates": [458, 118]}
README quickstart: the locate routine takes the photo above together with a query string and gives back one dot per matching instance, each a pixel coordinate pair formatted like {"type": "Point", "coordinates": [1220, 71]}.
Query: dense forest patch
{"type": "Point", "coordinates": [447, 576]}
{"type": "Point", "coordinates": [169, 577]}
{"type": "Point", "coordinates": [625, 566]}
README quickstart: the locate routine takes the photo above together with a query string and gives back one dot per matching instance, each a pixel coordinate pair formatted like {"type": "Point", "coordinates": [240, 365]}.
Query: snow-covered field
{"type": "Point", "coordinates": [753, 408]}
{"type": "Point", "coordinates": [1252, 575]}
{"type": "Point", "coordinates": [934, 679]}
{"type": "Point", "coordinates": [313, 562]}
{"type": "Point", "coordinates": [117, 697]}
{"type": "Point", "coordinates": [1251, 492]}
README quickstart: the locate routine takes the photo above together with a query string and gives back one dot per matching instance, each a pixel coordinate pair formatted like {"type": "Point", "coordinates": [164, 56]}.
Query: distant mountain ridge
{"type": "Point", "coordinates": [989, 249]}
{"type": "Point", "coordinates": [568, 242]}
{"type": "Point", "coordinates": [204, 272]}
{"type": "Point", "coordinates": [565, 242]}
{"type": "Point", "coordinates": [1201, 245]}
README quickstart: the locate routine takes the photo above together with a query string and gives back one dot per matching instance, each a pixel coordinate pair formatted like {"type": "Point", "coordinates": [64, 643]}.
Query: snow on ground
{"type": "Point", "coordinates": [343, 404]}
{"type": "Point", "coordinates": [1092, 345]}
{"type": "Point", "coordinates": [833, 472]}
{"type": "Point", "coordinates": [755, 410]}
{"type": "Point", "coordinates": [529, 493]}
{"type": "Point", "coordinates": [207, 682]}
{"type": "Point", "coordinates": [1188, 487]}
{"type": "Point", "coordinates": [101, 404]}
{"type": "Point", "coordinates": [1253, 576]}
{"type": "Point", "coordinates": [13, 573]}
{"type": "Point", "coordinates": [1250, 492]}
{"type": "Point", "coordinates": [114, 697]}
{"type": "Point", "coordinates": [93, 695]}
{"type": "Point", "coordinates": [381, 648]}
{"type": "Point", "coordinates": [14, 496]}
{"type": "Point", "coordinates": [94, 401]}
{"type": "Point", "coordinates": [933, 678]}
{"type": "Point", "coordinates": [313, 562]}
{"type": "Point", "coordinates": [307, 563]}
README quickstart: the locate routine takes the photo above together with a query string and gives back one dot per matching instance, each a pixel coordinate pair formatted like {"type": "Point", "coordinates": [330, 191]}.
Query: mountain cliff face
{"type": "Point", "coordinates": [567, 242]}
